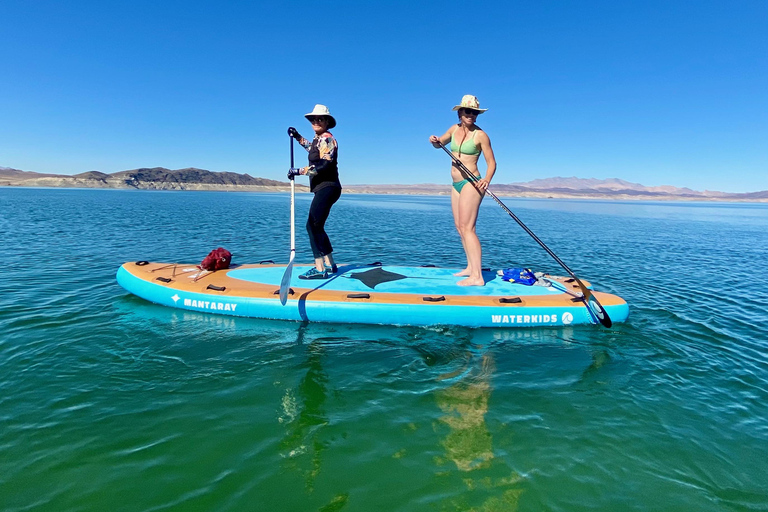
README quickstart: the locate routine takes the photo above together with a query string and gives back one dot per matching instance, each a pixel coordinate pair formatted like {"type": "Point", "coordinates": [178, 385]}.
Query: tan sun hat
{"type": "Point", "coordinates": [322, 110]}
{"type": "Point", "coordinates": [469, 101]}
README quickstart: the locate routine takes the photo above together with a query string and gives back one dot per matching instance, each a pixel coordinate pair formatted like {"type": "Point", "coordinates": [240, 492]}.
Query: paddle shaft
{"type": "Point", "coordinates": [588, 295]}
{"type": "Point", "coordinates": [285, 282]}
{"type": "Point", "coordinates": [293, 208]}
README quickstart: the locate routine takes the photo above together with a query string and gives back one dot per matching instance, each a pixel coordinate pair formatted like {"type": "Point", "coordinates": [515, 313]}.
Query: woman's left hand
{"type": "Point", "coordinates": [482, 184]}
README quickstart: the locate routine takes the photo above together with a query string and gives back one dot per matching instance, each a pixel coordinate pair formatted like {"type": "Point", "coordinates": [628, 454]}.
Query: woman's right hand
{"type": "Point", "coordinates": [434, 140]}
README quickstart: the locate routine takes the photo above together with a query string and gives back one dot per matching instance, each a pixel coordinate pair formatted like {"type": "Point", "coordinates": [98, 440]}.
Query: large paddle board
{"type": "Point", "coordinates": [369, 294]}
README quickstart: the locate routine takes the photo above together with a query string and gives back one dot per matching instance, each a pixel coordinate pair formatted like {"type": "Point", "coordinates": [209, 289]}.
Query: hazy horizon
{"type": "Point", "coordinates": [372, 184]}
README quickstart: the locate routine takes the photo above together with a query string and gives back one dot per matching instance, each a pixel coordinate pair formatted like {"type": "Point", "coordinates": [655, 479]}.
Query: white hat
{"type": "Point", "coordinates": [322, 110]}
{"type": "Point", "coordinates": [469, 101]}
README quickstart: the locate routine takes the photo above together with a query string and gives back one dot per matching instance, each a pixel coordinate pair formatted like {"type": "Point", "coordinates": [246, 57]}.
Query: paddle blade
{"type": "Point", "coordinates": [285, 283]}
{"type": "Point", "coordinates": [598, 311]}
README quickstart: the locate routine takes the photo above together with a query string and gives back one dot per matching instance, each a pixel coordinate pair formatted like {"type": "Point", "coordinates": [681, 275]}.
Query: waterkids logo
{"type": "Point", "coordinates": [567, 318]}
{"type": "Point", "coordinates": [206, 305]}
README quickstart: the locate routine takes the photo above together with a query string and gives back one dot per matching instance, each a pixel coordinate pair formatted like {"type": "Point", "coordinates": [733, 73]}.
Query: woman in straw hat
{"type": "Point", "coordinates": [468, 141]}
{"type": "Point", "coordinates": [323, 172]}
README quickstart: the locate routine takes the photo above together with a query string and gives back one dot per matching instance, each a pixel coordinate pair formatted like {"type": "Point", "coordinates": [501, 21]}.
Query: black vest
{"type": "Point", "coordinates": [327, 170]}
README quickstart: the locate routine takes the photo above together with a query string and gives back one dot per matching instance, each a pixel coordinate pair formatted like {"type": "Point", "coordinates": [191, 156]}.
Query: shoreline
{"type": "Point", "coordinates": [194, 179]}
{"type": "Point", "coordinates": [391, 190]}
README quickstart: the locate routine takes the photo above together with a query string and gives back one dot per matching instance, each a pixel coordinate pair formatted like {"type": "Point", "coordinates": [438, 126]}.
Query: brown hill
{"type": "Point", "coordinates": [9, 173]}
{"type": "Point", "coordinates": [191, 176]}
{"type": "Point", "coordinates": [155, 178]}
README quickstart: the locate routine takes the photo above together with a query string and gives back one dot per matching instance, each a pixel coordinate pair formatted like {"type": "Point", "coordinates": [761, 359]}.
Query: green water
{"type": "Point", "coordinates": [108, 402]}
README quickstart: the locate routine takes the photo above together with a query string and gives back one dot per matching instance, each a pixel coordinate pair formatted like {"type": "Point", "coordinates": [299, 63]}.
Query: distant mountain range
{"type": "Point", "coordinates": [155, 178]}
{"type": "Point", "coordinates": [613, 186]}
{"type": "Point", "coordinates": [160, 178]}
{"type": "Point", "coordinates": [575, 188]}
{"type": "Point", "coordinates": [593, 184]}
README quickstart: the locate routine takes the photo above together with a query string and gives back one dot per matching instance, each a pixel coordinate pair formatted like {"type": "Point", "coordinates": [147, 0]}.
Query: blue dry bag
{"type": "Point", "coordinates": [518, 275]}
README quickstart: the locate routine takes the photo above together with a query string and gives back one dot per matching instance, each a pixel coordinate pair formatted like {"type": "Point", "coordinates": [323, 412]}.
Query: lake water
{"type": "Point", "coordinates": [108, 402]}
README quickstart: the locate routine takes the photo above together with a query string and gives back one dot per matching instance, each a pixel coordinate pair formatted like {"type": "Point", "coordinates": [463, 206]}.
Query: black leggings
{"type": "Point", "coordinates": [318, 214]}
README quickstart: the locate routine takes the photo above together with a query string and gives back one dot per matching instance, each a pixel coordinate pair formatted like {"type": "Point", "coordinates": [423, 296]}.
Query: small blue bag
{"type": "Point", "coordinates": [518, 275]}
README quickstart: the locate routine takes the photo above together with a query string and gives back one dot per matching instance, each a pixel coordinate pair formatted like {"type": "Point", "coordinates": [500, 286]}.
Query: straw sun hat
{"type": "Point", "coordinates": [322, 110]}
{"type": "Point", "coordinates": [469, 101]}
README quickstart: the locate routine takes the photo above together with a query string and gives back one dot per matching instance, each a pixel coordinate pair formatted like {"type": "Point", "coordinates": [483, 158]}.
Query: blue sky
{"type": "Point", "coordinates": [654, 92]}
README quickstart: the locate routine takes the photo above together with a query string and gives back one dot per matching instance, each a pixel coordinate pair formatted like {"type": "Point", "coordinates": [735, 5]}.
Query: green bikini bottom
{"type": "Point", "coordinates": [458, 185]}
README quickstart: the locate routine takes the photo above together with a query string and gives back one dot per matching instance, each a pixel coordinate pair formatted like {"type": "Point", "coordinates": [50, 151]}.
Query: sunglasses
{"type": "Point", "coordinates": [316, 119]}
{"type": "Point", "coordinates": [470, 112]}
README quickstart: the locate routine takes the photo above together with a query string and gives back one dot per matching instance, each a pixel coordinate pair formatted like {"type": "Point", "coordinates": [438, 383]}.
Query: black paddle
{"type": "Point", "coordinates": [589, 299]}
{"type": "Point", "coordinates": [286, 281]}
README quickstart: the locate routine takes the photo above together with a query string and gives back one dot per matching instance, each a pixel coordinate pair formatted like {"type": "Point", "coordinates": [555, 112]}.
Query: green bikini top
{"type": "Point", "coordinates": [468, 147]}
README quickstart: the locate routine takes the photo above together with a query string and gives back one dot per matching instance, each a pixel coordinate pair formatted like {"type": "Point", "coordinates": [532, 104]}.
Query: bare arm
{"type": "Point", "coordinates": [484, 142]}
{"type": "Point", "coordinates": [444, 139]}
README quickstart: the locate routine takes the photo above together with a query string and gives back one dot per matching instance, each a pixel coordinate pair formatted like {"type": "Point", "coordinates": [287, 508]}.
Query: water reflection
{"type": "Point", "coordinates": [303, 414]}
{"type": "Point", "coordinates": [468, 444]}
{"type": "Point", "coordinates": [599, 359]}
{"type": "Point", "coordinates": [465, 404]}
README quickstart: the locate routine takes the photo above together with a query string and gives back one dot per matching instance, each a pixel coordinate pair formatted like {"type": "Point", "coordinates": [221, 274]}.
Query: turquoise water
{"type": "Point", "coordinates": [108, 402]}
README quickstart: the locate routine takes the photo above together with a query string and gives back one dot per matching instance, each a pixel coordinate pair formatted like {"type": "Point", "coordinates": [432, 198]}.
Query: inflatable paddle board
{"type": "Point", "coordinates": [369, 294]}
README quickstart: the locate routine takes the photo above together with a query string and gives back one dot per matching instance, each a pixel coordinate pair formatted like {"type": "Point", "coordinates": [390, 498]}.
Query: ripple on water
{"type": "Point", "coordinates": [106, 399]}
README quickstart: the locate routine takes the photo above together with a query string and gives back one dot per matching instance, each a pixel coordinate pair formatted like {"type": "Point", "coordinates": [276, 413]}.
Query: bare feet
{"type": "Point", "coordinates": [472, 281]}
{"type": "Point", "coordinates": [464, 272]}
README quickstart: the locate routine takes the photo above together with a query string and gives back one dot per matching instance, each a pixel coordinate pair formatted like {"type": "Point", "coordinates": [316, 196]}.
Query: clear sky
{"type": "Point", "coordinates": [657, 92]}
